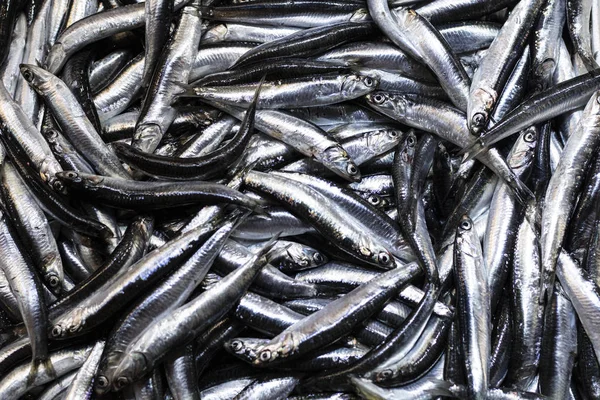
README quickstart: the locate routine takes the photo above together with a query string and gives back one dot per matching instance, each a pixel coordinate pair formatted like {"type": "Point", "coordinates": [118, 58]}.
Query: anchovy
{"type": "Point", "coordinates": [474, 319]}
{"type": "Point", "coordinates": [73, 120]}
{"type": "Point", "coordinates": [183, 321]}
{"type": "Point", "coordinates": [298, 92]}
{"type": "Point", "coordinates": [562, 188]}
{"type": "Point", "coordinates": [563, 97]}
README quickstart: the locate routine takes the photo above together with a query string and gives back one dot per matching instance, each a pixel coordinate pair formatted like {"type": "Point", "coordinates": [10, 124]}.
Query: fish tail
{"type": "Point", "coordinates": [269, 245]}
{"type": "Point", "coordinates": [521, 191]}
{"type": "Point", "coordinates": [442, 388]}
{"type": "Point", "coordinates": [185, 90]}
{"type": "Point", "coordinates": [473, 150]}
{"type": "Point", "coordinates": [38, 364]}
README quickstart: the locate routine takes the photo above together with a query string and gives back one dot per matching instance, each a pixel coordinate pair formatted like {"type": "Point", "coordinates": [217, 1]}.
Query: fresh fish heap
{"type": "Point", "coordinates": [307, 199]}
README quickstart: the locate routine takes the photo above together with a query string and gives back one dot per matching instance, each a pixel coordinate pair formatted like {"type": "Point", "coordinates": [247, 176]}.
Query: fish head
{"type": "Point", "coordinates": [394, 105]}
{"type": "Point", "coordinates": [53, 273]}
{"type": "Point", "coordinates": [359, 83]}
{"type": "Point", "coordinates": [132, 367]}
{"type": "Point", "coordinates": [69, 178]}
{"type": "Point", "coordinates": [523, 151]}
{"type": "Point", "coordinates": [246, 349]}
{"type": "Point", "coordinates": [375, 253]}
{"type": "Point", "coordinates": [337, 160]}
{"type": "Point", "coordinates": [481, 103]}
{"type": "Point", "coordinates": [38, 78]}
{"type": "Point", "coordinates": [73, 178]}
{"type": "Point", "coordinates": [217, 33]}
{"type": "Point", "coordinates": [382, 140]}
{"type": "Point", "coordinates": [543, 73]}
{"type": "Point", "coordinates": [379, 376]}
{"type": "Point", "coordinates": [301, 256]}
{"type": "Point", "coordinates": [407, 148]}
{"type": "Point", "coordinates": [467, 241]}
{"type": "Point", "coordinates": [280, 347]}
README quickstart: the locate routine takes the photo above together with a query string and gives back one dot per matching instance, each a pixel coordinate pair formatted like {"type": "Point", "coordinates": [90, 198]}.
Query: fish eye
{"type": "Point", "coordinates": [56, 331]}
{"type": "Point", "coordinates": [237, 346]}
{"type": "Point", "coordinates": [27, 75]}
{"type": "Point", "coordinates": [52, 133]}
{"type": "Point", "coordinates": [529, 137]}
{"type": "Point", "coordinates": [478, 120]}
{"type": "Point", "coordinates": [122, 382]}
{"type": "Point", "coordinates": [378, 98]}
{"type": "Point", "coordinates": [384, 258]}
{"type": "Point", "coordinates": [465, 225]}
{"type": "Point", "coordinates": [368, 81]}
{"type": "Point", "coordinates": [393, 134]}
{"type": "Point", "coordinates": [53, 280]}
{"type": "Point", "coordinates": [411, 141]}
{"type": "Point", "coordinates": [102, 381]}
{"type": "Point", "coordinates": [318, 258]}
{"type": "Point", "coordinates": [58, 186]}
{"type": "Point", "coordinates": [384, 375]}
{"type": "Point", "coordinates": [265, 355]}
{"type": "Point", "coordinates": [374, 200]}
{"type": "Point", "coordinates": [351, 169]}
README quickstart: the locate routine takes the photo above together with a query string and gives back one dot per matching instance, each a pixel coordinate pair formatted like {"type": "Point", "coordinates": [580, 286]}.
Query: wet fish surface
{"type": "Point", "coordinates": [299, 199]}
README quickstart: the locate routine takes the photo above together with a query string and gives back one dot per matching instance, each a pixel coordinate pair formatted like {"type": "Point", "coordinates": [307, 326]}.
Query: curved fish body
{"type": "Point", "coordinates": [27, 289]}
{"type": "Point", "coordinates": [336, 319]}
{"type": "Point", "coordinates": [333, 222]}
{"type": "Point", "coordinates": [495, 68]}
{"type": "Point", "coordinates": [32, 226]}
{"type": "Point", "coordinates": [17, 382]}
{"type": "Point", "coordinates": [437, 55]}
{"type": "Point", "coordinates": [125, 193]}
{"type": "Point", "coordinates": [183, 323]}
{"type": "Point", "coordinates": [563, 188]}
{"type": "Point", "coordinates": [172, 70]}
{"type": "Point", "coordinates": [303, 136]}
{"type": "Point", "coordinates": [94, 28]}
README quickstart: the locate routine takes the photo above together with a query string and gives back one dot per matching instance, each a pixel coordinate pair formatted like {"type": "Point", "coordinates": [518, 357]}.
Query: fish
{"type": "Point", "coordinates": [307, 199]}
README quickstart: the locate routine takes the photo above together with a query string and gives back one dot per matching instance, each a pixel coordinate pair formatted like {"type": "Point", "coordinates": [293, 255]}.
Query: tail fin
{"type": "Point", "coordinates": [34, 372]}
{"type": "Point", "coordinates": [268, 245]}
{"type": "Point", "coordinates": [473, 150]}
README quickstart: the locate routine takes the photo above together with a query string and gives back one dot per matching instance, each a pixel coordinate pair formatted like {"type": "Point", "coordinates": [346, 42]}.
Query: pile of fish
{"type": "Point", "coordinates": [299, 199]}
